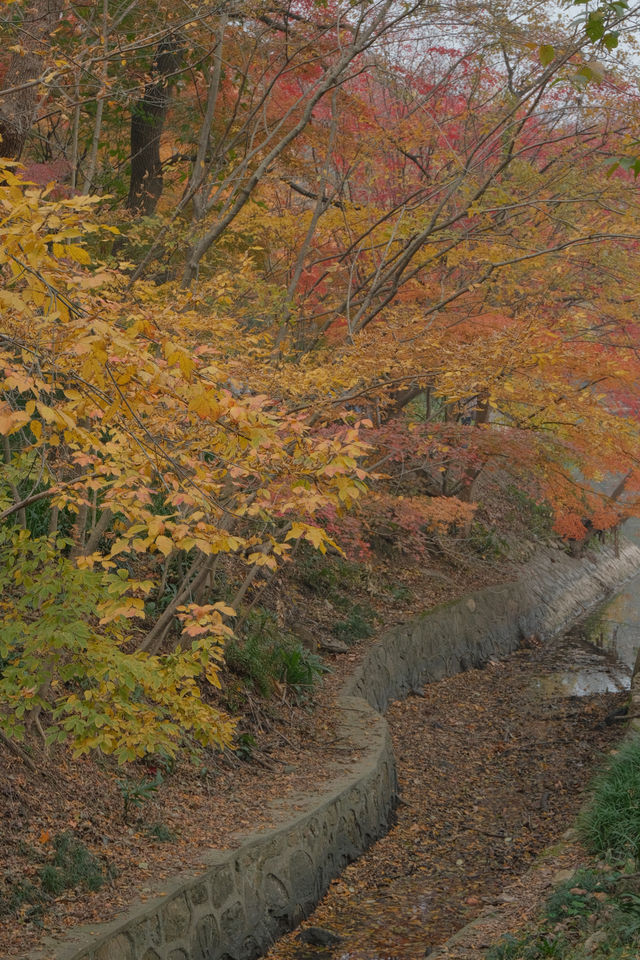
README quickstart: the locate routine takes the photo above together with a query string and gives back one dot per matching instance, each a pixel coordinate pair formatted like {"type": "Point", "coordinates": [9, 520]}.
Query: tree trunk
{"type": "Point", "coordinates": [147, 123]}
{"type": "Point", "coordinates": [18, 105]}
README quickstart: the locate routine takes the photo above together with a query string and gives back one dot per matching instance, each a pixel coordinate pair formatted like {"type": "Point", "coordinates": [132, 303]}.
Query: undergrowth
{"type": "Point", "coordinates": [69, 866]}
{"type": "Point", "coordinates": [610, 823]}
{"type": "Point", "coordinates": [267, 657]}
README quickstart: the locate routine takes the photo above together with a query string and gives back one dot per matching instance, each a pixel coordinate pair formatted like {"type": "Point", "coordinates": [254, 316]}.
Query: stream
{"type": "Point", "coordinates": [492, 766]}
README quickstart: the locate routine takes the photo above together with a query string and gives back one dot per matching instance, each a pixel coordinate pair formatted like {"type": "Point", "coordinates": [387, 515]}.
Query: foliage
{"type": "Point", "coordinates": [371, 270]}
{"type": "Point", "coordinates": [57, 659]}
{"type": "Point", "coordinates": [113, 420]}
{"type": "Point", "coordinates": [357, 626]}
{"type": "Point", "coordinates": [610, 823]}
{"type": "Point", "coordinates": [267, 657]}
{"type": "Point", "coordinates": [135, 793]}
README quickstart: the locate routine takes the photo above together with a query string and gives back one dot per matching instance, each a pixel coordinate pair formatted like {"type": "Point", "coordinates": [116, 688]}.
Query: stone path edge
{"type": "Point", "coordinates": [246, 898]}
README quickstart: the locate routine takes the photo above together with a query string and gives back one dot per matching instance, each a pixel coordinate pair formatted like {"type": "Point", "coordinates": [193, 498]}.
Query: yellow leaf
{"type": "Point", "coordinates": [46, 413]}
{"type": "Point", "coordinates": [79, 254]}
{"type": "Point", "coordinates": [225, 608]}
{"type": "Point", "coordinates": [164, 545]}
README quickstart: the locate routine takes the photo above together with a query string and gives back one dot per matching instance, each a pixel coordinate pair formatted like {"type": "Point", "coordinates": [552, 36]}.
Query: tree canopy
{"type": "Point", "coordinates": [256, 255]}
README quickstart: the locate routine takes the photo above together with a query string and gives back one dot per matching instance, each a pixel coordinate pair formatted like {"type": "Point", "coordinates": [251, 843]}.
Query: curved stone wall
{"type": "Point", "coordinates": [247, 897]}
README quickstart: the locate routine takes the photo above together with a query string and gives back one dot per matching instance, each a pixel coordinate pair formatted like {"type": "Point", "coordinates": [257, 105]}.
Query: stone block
{"type": "Point", "coordinates": [205, 941]}
{"type": "Point", "coordinates": [276, 894]}
{"type": "Point", "coordinates": [302, 875]}
{"type": "Point", "coordinates": [118, 948]}
{"type": "Point", "coordinates": [232, 923]}
{"type": "Point", "coordinates": [222, 886]}
{"type": "Point", "coordinates": [198, 894]}
{"type": "Point", "coordinates": [176, 918]}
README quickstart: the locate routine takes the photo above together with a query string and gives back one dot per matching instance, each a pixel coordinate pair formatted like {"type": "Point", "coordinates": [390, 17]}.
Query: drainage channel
{"type": "Point", "coordinates": [493, 764]}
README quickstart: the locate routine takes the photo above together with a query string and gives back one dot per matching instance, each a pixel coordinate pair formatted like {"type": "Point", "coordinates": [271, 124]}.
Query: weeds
{"type": "Point", "coordinates": [595, 913]}
{"type": "Point", "coordinates": [299, 668]}
{"type": "Point", "coordinates": [357, 626]}
{"type": "Point", "coordinates": [329, 576]}
{"type": "Point", "coordinates": [400, 592]}
{"type": "Point", "coordinates": [579, 896]}
{"type": "Point", "coordinates": [486, 542]}
{"type": "Point", "coordinates": [159, 831]}
{"type": "Point", "coordinates": [135, 793]}
{"type": "Point", "coordinates": [18, 896]}
{"type": "Point", "coordinates": [72, 866]}
{"type": "Point", "coordinates": [610, 823]}
{"type": "Point", "coordinates": [537, 515]}
{"type": "Point", "coordinates": [267, 656]}
{"type": "Point", "coordinates": [245, 745]}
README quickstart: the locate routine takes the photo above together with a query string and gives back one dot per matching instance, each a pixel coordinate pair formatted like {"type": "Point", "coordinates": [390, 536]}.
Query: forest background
{"type": "Point", "coordinates": [276, 273]}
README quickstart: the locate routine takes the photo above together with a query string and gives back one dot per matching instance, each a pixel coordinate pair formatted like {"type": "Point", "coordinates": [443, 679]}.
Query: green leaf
{"type": "Point", "coordinates": [546, 54]}
{"type": "Point", "coordinates": [595, 27]}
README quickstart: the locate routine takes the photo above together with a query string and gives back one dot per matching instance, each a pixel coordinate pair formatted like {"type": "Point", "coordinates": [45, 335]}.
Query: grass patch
{"type": "Point", "coordinates": [73, 866]}
{"type": "Point", "coordinates": [22, 898]}
{"type": "Point", "coordinates": [486, 543]}
{"type": "Point", "coordinates": [593, 916]}
{"type": "Point", "coordinates": [161, 832]}
{"type": "Point", "coordinates": [329, 576]}
{"type": "Point", "coordinates": [536, 515]}
{"type": "Point", "coordinates": [357, 626]}
{"type": "Point", "coordinates": [610, 823]}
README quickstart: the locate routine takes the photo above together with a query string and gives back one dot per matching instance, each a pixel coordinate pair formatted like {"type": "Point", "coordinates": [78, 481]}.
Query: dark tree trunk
{"type": "Point", "coordinates": [147, 123]}
{"type": "Point", "coordinates": [18, 105]}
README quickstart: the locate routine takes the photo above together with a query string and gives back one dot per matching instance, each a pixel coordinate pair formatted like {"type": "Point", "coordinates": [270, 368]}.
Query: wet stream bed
{"type": "Point", "coordinates": [493, 764]}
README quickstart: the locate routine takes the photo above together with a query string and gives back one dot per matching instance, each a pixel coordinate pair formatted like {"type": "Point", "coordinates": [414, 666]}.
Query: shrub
{"type": "Point", "coordinates": [135, 793]}
{"type": "Point", "coordinates": [56, 657]}
{"type": "Point", "coordinates": [161, 832]}
{"type": "Point", "coordinates": [298, 667]}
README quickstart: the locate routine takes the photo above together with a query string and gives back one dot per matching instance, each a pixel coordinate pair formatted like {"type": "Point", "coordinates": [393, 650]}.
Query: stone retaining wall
{"type": "Point", "coordinates": [247, 897]}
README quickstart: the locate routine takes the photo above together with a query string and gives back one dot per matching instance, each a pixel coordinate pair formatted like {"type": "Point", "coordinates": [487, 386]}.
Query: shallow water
{"type": "Point", "coordinates": [583, 669]}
